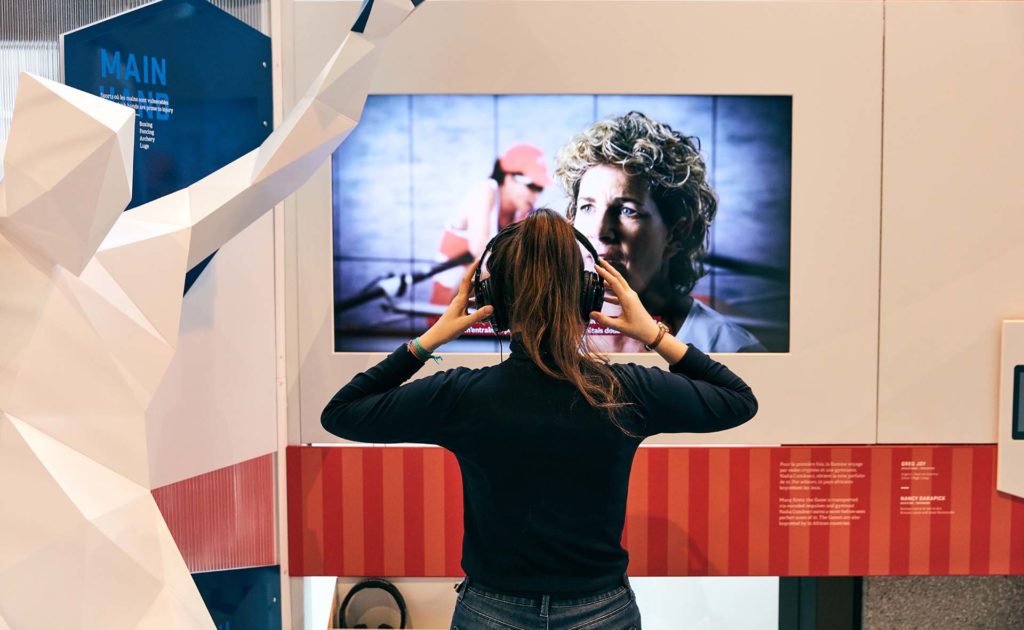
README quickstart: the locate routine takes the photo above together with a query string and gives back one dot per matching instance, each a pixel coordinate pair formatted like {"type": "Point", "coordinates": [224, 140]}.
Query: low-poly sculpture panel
{"type": "Point", "coordinates": [90, 301]}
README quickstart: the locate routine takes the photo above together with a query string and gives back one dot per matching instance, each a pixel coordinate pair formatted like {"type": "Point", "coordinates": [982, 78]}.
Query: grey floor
{"type": "Point", "coordinates": [944, 603]}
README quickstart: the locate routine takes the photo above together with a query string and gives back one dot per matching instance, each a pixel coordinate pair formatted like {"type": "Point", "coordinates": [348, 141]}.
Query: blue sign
{"type": "Point", "coordinates": [242, 599]}
{"type": "Point", "coordinates": [199, 81]}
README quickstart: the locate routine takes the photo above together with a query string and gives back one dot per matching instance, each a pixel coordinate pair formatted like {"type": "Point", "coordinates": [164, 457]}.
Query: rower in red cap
{"type": "Point", "coordinates": [520, 174]}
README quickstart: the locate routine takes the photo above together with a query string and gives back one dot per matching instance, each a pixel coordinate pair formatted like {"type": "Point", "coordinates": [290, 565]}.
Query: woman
{"type": "Point", "coordinates": [639, 191]}
{"type": "Point", "coordinates": [544, 440]}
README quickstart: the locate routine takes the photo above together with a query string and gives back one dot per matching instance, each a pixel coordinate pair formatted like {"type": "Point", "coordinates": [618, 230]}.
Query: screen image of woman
{"type": "Point", "coordinates": [640, 193]}
{"type": "Point", "coordinates": [688, 196]}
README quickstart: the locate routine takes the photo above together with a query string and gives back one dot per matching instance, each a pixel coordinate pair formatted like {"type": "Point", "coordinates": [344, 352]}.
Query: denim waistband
{"type": "Point", "coordinates": [534, 599]}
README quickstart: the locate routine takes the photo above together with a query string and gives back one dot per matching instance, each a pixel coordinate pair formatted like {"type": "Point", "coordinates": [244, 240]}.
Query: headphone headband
{"type": "Point", "coordinates": [377, 583]}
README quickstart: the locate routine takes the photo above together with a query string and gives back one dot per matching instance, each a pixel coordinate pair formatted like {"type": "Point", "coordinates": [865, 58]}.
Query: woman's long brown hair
{"type": "Point", "coordinates": [539, 264]}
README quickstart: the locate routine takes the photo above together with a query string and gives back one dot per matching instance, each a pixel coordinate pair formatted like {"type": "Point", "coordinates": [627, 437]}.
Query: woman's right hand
{"type": "Point", "coordinates": [634, 321]}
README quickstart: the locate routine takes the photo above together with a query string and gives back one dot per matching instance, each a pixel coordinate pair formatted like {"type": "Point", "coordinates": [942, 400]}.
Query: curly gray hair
{"type": "Point", "coordinates": [673, 168]}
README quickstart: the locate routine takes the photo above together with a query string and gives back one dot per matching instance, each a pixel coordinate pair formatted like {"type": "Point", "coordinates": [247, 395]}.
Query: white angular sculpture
{"type": "Point", "coordinates": [90, 300]}
{"type": "Point", "coordinates": [60, 150]}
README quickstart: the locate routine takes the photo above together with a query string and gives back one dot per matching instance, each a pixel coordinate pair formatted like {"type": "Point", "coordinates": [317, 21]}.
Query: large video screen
{"type": "Point", "coordinates": [689, 196]}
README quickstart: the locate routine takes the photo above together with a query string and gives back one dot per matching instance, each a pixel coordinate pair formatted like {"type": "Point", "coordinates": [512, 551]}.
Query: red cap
{"type": "Point", "coordinates": [526, 159]}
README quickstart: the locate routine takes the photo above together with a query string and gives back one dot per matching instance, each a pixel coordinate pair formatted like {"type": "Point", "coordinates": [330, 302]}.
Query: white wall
{"type": "Point", "coordinates": [953, 216]}
{"type": "Point", "coordinates": [827, 55]}
{"type": "Point", "coordinates": [919, 262]}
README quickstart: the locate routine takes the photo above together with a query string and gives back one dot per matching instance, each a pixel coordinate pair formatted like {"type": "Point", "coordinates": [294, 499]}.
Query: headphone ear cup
{"type": "Point", "coordinates": [480, 293]}
{"type": "Point", "coordinates": [499, 320]}
{"type": "Point", "coordinates": [598, 292]}
{"type": "Point", "coordinates": [485, 295]}
{"type": "Point", "coordinates": [592, 295]}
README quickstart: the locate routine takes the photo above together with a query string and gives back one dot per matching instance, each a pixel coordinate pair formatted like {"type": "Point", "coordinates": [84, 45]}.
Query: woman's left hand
{"type": "Point", "coordinates": [457, 318]}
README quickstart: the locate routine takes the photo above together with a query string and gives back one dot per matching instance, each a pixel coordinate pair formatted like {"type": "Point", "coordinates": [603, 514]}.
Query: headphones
{"type": "Point", "coordinates": [372, 583]}
{"type": "Point", "coordinates": [486, 291]}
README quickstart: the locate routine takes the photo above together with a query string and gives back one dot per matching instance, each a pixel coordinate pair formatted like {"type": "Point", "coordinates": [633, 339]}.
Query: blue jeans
{"type": "Point", "coordinates": [479, 609]}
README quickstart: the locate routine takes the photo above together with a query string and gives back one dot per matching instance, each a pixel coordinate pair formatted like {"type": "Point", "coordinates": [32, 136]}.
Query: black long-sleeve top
{"type": "Point", "coordinates": [544, 474]}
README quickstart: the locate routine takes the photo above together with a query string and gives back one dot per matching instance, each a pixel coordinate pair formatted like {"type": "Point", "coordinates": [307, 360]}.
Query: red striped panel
{"type": "Point", "coordinates": [982, 475]}
{"type": "Point", "coordinates": [778, 537]}
{"type": "Point", "coordinates": [223, 519]}
{"type": "Point", "coordinates": [332, 535]}
{"type": "Point", "coordinates": [761, 484]}
{"type": "Point", "coordinates": [999, 551]}
{"type": "Point", "coordinates": [818, 538]}
{"type": "Point", "coordinates": [657, 511]}
{"type": "Point", "coordinates": [373, 511]}
{"type": "Point", "coordinates": [353, 555]}
{"type": "Point", "coordinates": [678, 511]}
{"type": "Point", "coordinates": [296, 556]}
{"type": "Point", "coordinates": [856, 561]}
{"type": "Point", "coordinates": [635, 538]}
{"type": "Point", "coordinates": [700, 491]}
{"type": "Point", "coordinates": [691, 511]}
{"type": "Point", "coordinates": [718, 512]}
{"type": "Point", "coordinates": [453, 516]}
{"type": "Point", "coordinates": [942, 485]}
{"type": "Point", "coordinates": [921, 523]}
{"type": "Point", "coordinates": [415, 527]}
{"type": "Point", "coordinates": [311, 508]}
{"type": "Point", "coordinates": [880, 512]}
{"type": "Point", "coordinates": [393, 527]}
{"type": "Point", "coordinates": [838, 537]}
{"type": "Point", "coordinates": [433, 498]}
{"type": "Point", "coordinates": [903, 532]}
{"type": "Point", "coordinates": [799, 535]}
{"type": "Point", "coordinates": [961, 504]}
{"type": "Point", "coordinates": [739, 511]}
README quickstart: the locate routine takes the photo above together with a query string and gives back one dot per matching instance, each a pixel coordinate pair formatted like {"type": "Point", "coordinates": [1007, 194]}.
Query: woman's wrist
{"type": "Point", "coordinates": [650, 333]}
{"type": "Point", "coordinates": [671, 349]}
{"type": "Point", "coordinates": [419, 355]}
{"type": "Point", "coordinates": [662, 331]}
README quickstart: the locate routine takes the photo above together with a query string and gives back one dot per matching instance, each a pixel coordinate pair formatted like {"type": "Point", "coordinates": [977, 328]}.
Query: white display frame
{"type": "Point", "coordinates": [1010, 469]}
{"type": "Point", "coordinates": [827, 55]}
